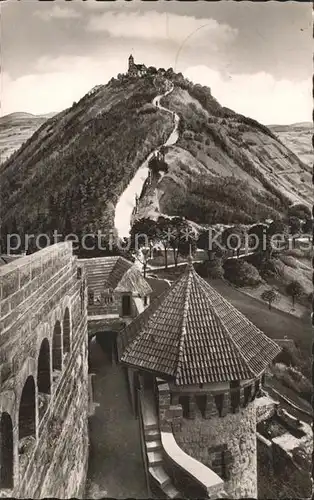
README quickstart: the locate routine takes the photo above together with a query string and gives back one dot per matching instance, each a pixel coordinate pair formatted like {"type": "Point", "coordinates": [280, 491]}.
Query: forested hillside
{"type": "Point", "coordinates": [68, 175]}
{"type": "Point", "coordinates": [225, 168]}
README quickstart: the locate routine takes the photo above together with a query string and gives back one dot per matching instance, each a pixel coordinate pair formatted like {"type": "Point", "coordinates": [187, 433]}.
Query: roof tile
{"type": "Point", "coordinates": [196, 336]}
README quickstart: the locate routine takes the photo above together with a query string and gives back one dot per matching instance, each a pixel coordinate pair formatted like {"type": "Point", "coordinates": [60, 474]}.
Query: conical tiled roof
{"type": "Point", "coordinates": [194, 335]}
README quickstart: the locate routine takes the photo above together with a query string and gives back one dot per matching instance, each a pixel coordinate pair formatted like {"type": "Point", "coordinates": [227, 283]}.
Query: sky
{"type": "Point", "coordinates": [255, 56]}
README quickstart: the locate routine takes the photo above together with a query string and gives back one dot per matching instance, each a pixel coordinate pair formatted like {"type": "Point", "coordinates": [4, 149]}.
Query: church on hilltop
{"type": "Point", "coordinates": [136, 69]}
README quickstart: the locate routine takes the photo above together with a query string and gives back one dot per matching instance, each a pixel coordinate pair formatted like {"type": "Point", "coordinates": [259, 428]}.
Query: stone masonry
{"type": "Point", "coordinates": [44, 376]}
{"type": "Point", "coordinates": [228, 443]}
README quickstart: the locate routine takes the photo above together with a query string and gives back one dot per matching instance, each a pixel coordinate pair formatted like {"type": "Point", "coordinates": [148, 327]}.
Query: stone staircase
{"type": "Point", "coordinates": [154, 451]}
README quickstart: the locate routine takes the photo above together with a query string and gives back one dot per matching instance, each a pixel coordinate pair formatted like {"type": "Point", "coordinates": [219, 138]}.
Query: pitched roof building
{"type": "Point", "coordinates": [194, 336]}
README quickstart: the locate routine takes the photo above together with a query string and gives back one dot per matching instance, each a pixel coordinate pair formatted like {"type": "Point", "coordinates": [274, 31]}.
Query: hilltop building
{"type": "Point", "coordinates": [200, 364]}
{"type": "Point", "coordinates": [136, 69]}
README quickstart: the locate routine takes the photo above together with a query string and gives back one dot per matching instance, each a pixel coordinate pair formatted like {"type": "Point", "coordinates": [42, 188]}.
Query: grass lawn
{"type": "Point", "coordinates": [276, 324]}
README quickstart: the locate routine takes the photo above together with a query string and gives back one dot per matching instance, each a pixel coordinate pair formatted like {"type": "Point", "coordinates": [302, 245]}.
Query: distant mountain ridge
{"type": "Point", "coordinates": [84, 157]}
{"type": "Point", "coordinates": [16, 128]}
{"type": "Point", "coordinates": [298, 138]}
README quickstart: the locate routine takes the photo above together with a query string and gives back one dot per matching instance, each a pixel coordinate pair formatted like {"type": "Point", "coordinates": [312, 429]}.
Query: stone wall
{"type": "Point", "coordinates": [44, 374]}
{"type": "Point", "coordinates": [205, 440]}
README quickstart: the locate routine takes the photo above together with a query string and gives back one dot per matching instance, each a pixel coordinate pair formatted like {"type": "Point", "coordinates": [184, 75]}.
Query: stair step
{"type": "Point", "coordinates": [171, 491]}
{"type": "Point", "coordinates": [151, 434]}
{"type": "Point", "coordinates": [150, 427]}
{"type": "Point", "coordinates": [160, 475]}
{"type": "Point", "coordinates": [154, 458]}
{"type": "Point", "coordinates": [153, 445]}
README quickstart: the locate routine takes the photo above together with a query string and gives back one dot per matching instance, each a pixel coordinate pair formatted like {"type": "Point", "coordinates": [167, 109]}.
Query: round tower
{"type": "Point", "coordinates": [131, 67]}
{"type": "Point", "coordinates": [213, 360]}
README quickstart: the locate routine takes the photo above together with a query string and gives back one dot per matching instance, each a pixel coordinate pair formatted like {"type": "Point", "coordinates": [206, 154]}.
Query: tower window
{"type": "Point", "coordinates": [126, 305]}
{"type": "Point", "coordinates": [145, 301]}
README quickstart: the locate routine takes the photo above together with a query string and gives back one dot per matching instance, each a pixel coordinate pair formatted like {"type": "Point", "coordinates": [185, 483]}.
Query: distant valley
{"type": "Point", "coordinates": [298, 138]}
{"type": "Point", "coordinates": [16, 128]}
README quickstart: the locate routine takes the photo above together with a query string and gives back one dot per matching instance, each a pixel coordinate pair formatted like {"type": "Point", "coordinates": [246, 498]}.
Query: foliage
{"type": "Point", "coordinates": [270, 296]}
{"type": "Point", "coordinates": [210, 268]}
{"type": "Point", "coordinates": [220, 200]}
{"type": "Point", "coordinates": [157, 165]}
{"type": "Point", "coordinates": [143, 233]}
{"type": "Point", "coordinates": [294, 224]}
{"type": "Point", "coordinates": [295, 290]}
{"type": "Point", "coordinates": [241, 273]}
{"type": "Point", "coordinates": [233, 238]}
{"type": "Point", "coordinates": [80, 165]}
{"type": "Point", "coordinates": [300, 211]}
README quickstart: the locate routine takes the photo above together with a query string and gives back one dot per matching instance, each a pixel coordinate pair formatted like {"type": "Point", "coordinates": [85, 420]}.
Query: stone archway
{"type": "Point", "coordinates": [6, 451]}
{"type": "Point", "coordinates": [66, 332]}
{"type": "Point", "coordinates": [57, 347]}
{"type": "Point", "coordinates": [27, 409]}
{"type": "Point", "coordinates": [43, 371]}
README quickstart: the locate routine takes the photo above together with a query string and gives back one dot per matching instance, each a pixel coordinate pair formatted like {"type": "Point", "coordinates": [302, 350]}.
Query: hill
{"type": "Point", "coordinates": [16, 128]}
{"type": "Point", "coordinates": [83, 158]}
{"type": "Point", "coordinates": [298, 138]}
{"type": "Point", "coordinates": [220, 155]}
{"type": "Point", "coordinates": [68, 175]}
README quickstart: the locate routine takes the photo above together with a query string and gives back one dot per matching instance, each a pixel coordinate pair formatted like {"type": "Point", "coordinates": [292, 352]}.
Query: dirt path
{"type": "Point", "coordinates": [126, 202]}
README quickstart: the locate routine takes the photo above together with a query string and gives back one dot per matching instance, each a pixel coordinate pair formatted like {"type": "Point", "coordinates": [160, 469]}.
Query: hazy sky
{"type": "Point", "coordinates": [256, 57]}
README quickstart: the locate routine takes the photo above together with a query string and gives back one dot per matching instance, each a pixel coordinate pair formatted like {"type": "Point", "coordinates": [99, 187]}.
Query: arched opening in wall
{"type": "Point", "coordinates": [66, 331]}
{"type": "Point", "coordinates": [6, 451]}
{"type": "Point", "coordinates": [27, 410]}
{"type": "Point", "coordinates": [43, 378]}
{"type": "Point", "coordinates": [57, 347]}
{"type": "Point", "coordinates": [43, 373]}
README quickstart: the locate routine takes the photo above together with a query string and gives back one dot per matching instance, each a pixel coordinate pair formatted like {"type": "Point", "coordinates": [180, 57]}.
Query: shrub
{"type": "Point", "coordinates": [241, 273]}
{"type": "Point", "coordinates": [210, 269]}
{"type": "Point", "coordinates": [295, 290]}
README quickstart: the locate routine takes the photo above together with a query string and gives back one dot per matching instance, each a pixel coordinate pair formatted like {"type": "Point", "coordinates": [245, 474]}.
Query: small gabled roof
{"type": "Point", "coordinates": [105, 272]}
{"type": "Point", "coordinates": [133, 281]}
{"type": "Point", "coordinates": [191, 333]}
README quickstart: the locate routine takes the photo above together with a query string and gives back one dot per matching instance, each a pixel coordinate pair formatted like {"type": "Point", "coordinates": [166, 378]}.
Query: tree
{"type": "Point", "coordinates": [241, 273]}
{"type": "Point", "coordinates": [177, 227]}
{"type": "Point", "coordinates": [295, 227]}
{"type": "Point", "coordinates": [277, 231]}
{"type": "Point", "coordinates": [299, 210]}
{"type": "Point", "coordinates": [211, 268]}
{"type": "Point", "coordinates": [233, 238]}
{"type": "Point", "coordinates": [257, 237]}
{"type": "Point", "coordinates": [270, 296]}
{"type": "Point", "coordinates": [156, 165]}
{"type": "Point", "coordinates": [295, 290]}
{"type": "Point", "coordinates": [143, 232]}
{"type": "Point", "coordinates": [163, 234]}
{"type": "Point", "coordinates": [206, 241]}
{"type": "Point", "coordinates": [307, 227]}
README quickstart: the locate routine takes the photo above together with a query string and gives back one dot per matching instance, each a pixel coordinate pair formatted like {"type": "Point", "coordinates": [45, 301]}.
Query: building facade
{"type": "Point", "coordinates": [136, 70]}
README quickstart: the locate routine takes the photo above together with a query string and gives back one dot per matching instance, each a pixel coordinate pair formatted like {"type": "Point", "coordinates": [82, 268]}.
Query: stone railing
{"type": "Point", "coordinates": [196, 475]}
